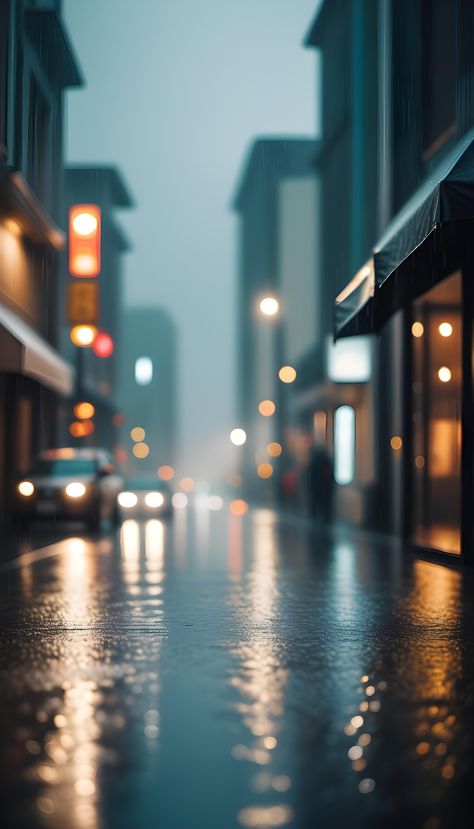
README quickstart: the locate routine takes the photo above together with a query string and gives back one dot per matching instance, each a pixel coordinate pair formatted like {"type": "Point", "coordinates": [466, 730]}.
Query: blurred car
{"type": "Point", "coordinates": [145, 497]}
{"type": "Point", "coordinates": [72, 484]}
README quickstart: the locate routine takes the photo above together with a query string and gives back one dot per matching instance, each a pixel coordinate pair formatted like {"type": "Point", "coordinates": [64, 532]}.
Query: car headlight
{"type": "Point", "coordinates": [127, 500]}
{"type": "Point", "coordinates": [26, 488]}
{"type": "Point", "coordinates": [154, 500]}
{"type": "Point", "coordinates": [75, 490]}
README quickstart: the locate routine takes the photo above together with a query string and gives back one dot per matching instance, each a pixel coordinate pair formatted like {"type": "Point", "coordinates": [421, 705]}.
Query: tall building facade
{"type": "Point", "coordinates": [410, 285]}
{"type": "Point", "coordinates": [37, 65]}
{"type": "Point", "coordinates": [276, 202]}
{"type": "Point", "coordinates": [149, 390]}
{"type": "Point", "coordinates": [97, 377]}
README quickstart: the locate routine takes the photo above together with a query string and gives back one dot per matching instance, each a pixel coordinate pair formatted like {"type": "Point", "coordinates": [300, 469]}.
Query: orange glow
{"type": "Point", "coordinates": [84, 411]}
{"type": "Point", "coordinates": [266, 408]}
{"type": "Point", "coordinates": [239, 507]}
{"type": "Point", "coordinates": [141, 450]}
{"type": "Point", "coordinates": [84, 240]}
{"type": "Point", "coordinates": [287, 374]}
{"type": "Point", "coordinates": [274, 449]}
{"type": "Point", "coordinates": [187, 484]}
{"type": "Point", "coordinates": [137, 434]}
{"type": "Point", "coordinates": [166, 473]}
{"type": "Point", "coordinates": [396, 442]}
{"type": "Point", "coordinates": [444, 374]}
{"type": "Point", "coordinates": [417, 329]}
{"type": "Point", "coordinates": [445, 329]}
{"type": "Point", "coordinates": [83, 335]}
{"type": "Point", "coordinates": [12, 226]}
{"type": "Point", "coordinates": [81, 429]}
{"type": "Point", "coordinates": [265, 470]}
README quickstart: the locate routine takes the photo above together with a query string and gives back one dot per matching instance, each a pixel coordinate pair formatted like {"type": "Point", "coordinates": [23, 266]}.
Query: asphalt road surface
{"type": "Point", "coordinates": [217, 672]}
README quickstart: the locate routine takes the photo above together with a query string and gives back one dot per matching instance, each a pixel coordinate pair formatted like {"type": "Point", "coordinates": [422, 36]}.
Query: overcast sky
{"type": "Point", "coordinates": [175, 92]}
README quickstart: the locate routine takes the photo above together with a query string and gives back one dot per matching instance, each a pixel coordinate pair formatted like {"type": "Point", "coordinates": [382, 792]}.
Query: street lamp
{"type": "Point", "coordinates": [269, 306]}
{"type": "Point", "coordinates": [83, 335]}
{"type": "Point", "coordinates": [238, 437]}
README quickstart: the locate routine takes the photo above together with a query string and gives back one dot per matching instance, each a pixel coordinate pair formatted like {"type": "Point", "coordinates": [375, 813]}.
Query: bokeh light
{"type": "Point", "coordinates": [266, 408]}
{"type": "Point", "coordinates": [269, 306]}
{"type": "Point", "coordinates": [274, 449]}
{"type": "Point", "coordinates": [265, 470]}
{"type": "Point", "coordinates": [179, 500]}
{"type": "Point", "coordinates": [238, 436]}
{"type": "Point", "coordinates": [81, 428]}
{"type": "Point", "coordinates": [103, 345]}
{"type": "Point", "coordinates": [84, 411]}
{"type": "Point", "coordinates": [396, 442]}
{"type": "Point", "coordinates": [83, 335]}
{"type": "Point", "coordinates": [187, 484]}
{"type": "Point", "coordinates": [445, 329]}
{"type": "Point", "coordinates": [141, 450]}
{"type": "Point", "coordinates": [239, 507]}
{"type": "Point", "coordinates": [287, 374]}
{"type": "Point", "coordinates": [165, 472]}
{"type": "Point", "coordinates": [215, 502]}
{"type": "Point", "coordinates": [417, 329]}
{"type": "Point", "coordinates": [444, 374]}
{"type": "Point", "coordinates": [137, 434]}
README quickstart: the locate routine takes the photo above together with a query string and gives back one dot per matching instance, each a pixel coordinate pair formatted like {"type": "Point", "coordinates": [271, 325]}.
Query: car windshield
{"type": "Point", "coordinates": [63, 468]}
{"type": "Point", "coordinates": [145, 483]}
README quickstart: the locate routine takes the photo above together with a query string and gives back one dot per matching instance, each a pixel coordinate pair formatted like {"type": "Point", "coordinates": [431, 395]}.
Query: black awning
{"type": "Point", "coordinates": [354, 307]}
{"type": "Point", "coordinates": [416, 233]}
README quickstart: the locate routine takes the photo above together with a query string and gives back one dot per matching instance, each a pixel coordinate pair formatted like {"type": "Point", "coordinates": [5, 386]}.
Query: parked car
{"type": "Point", "coordinates": [71, 484]}
{"type": "Point", "coordinates": [145, 497]}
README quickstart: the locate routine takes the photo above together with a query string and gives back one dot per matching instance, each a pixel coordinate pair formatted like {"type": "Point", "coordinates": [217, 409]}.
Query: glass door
{"type": "Point", "coordinates": [435, 462]}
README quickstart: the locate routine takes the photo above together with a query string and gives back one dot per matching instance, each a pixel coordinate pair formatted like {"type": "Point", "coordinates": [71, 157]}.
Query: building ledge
{"type": "Point", "coordinates": [19, 203]}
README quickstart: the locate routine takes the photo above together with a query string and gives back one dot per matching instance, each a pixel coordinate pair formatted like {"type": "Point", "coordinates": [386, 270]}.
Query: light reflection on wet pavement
{"type": "Point", "coordinates": [221, 672]}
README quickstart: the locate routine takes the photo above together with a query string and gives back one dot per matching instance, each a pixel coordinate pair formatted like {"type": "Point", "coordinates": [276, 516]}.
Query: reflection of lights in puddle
{"type": "Point", "coordinates": [261, 817]}
{"type": "Point", "coordinates": [355, 753]}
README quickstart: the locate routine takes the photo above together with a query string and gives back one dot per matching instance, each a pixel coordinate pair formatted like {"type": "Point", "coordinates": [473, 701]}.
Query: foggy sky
{"type": "Point", "coordinates": [175, 92]}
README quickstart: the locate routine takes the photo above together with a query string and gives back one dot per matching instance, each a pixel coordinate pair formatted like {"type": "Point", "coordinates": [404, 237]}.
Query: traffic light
{"type": "Point", "coordinates": [84, 240]}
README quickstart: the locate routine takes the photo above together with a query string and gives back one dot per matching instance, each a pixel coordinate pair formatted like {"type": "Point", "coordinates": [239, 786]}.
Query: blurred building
{"type": "Point", "coordinates": [277, 202]}
{"type": "Point", "coordinates": [149, 389]}
{"type": "Point", "coordinates": [97, 377]}
{"type": "Point", "coordinates": [37, 65]}
{"type": "Point", "coordinates": [398, 92]}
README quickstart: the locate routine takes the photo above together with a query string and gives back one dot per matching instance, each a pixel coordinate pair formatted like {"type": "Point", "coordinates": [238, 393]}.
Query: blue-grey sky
{"type": "Point", "coordinates": [175, 92]}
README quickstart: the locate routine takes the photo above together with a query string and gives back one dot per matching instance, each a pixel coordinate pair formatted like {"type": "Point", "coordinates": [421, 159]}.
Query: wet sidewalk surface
{"type": "Point", "coordinates": [221, 672]}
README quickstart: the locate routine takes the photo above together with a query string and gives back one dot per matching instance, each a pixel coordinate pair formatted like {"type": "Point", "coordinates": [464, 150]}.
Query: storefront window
{"type": "Point", "coordinates": [436, 411]}
{"type": "Point", "coordinates": [344, 445]}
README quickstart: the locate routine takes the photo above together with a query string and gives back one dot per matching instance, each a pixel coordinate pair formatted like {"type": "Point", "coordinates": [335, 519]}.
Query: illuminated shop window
{"type": "Point", "coordinates": [143, 371]}
{"type": "Point", "coordinates": [344, 445]}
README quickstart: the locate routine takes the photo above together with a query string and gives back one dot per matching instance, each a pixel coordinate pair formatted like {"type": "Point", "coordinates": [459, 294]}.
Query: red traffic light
{"type": "Point", "coordinates": [103, 345]}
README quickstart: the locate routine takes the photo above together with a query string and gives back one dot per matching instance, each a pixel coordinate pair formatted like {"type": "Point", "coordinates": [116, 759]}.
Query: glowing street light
{"type": "Point", "coordinates": [83, 335]}
{"type": "Point", "coordinates": [269, 306]}
{"type": "Point", "coordinates": [238, 437]}
{"type": "Point", "coordinates": [84, 240]}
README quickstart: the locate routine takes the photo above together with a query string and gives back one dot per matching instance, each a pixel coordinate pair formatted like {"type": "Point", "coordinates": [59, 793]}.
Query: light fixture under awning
{"type": "Point", "coordinates": [418, 247]}
{"type": "Point", "coordinates": [23, 351]}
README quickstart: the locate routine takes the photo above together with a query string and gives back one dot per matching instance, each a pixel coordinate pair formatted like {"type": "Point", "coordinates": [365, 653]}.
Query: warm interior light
{"type": "Point", "coordinates": [141, 450]}
{"type": "Point", "coordinates": [396, 442]}
{"type": "Point", "coordinates": [12, 226]}
{"type": "Point", "coordinates": [269, 306]}
{"type": "Point", "coordinates": [84, 224]}
{"type": "Point", "coordinates": [83, 335]}
{"type": "Point", "coordinates": [154, 500]}
{"type": "Point", "coordinates": [444, 374]}
{"type": "Point", "coordinates": [445, 329]}
{"type": "Point", "coordinates": [26, 488]}
{"type": "Point", "coordinates": [238, 437]}
{"type": "Point", "coordinates": [84, 240]}
{"type": "Point", "coordinates": [84, 411]}
{"type": "Point", "coordinates": [127, 500]}
{"type": "Point", "coordinates": [137, 434]}
{"type": "Point", "coordinates": [417, 329]}
{"type": "Point", "coordinates": [287, 374]}
{"type": "Point", "coordinates": [75, 490]}
{"type": "Point", "coordinates": [266, 408]}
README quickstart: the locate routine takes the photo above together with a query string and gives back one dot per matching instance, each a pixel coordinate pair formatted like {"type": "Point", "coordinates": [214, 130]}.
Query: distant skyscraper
{"type": "Point", "coordinates": [149, 388]}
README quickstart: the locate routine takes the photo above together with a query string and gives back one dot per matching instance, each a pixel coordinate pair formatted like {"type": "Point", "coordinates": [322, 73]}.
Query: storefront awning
{"type": "Point", "coordinates": [446, 196]}
{"type": "Point", "coordinates": [353, 311]}
{"type": "Point", "coordinates": [23, 351]}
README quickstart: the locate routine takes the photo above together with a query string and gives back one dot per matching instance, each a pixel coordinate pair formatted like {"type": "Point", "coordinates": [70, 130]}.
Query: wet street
{"type": "Point", "coordinates": [216, 671]}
